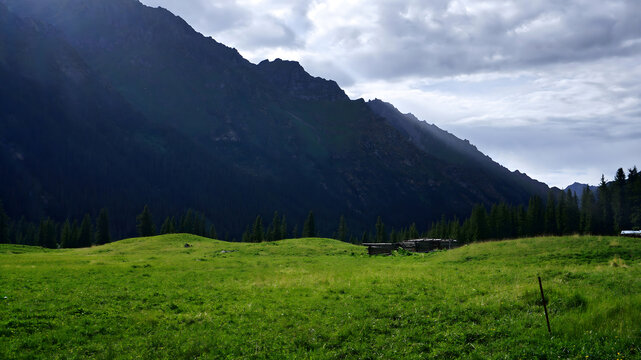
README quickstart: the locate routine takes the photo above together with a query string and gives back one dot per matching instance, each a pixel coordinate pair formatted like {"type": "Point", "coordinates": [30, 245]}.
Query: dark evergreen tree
{"type": "Point", "coordinates": [365, 237]}
{"type": "Point", "coordinates": [103, 234]}
{"type": "Point", "coordinates": [478, 224]}
{"type": "Point", "coordinates": [283, 228]}
{"type": "Point", "coordinates": [295, 232]}
{"type": "Point", "coordinates": [258, 231]}
{"type": "Point", "coordinates": [247, 235]}
{"type": "Point", "coordinates": [145, 223]}
{"type": "Point", "coordinates": [634, 198]}
{"type": "Point", "coordinates": [550, 215]}
{"type": "Point", "coordinates": [47, 234]}
{"type": "Point", "coordinates": [188, 223]}
{"type": "Point", "coordinates": [341, 233]}
{"type": "Point", "coordinates": [572, 213]}
{"type": "Point", "coordinates": [168, 226]}
{"type": "Point", "coordinates": [85, 238]}
{"type": "Point", "coordinates": [413, 233]}
{"type": "Point", "coordinates": [66, 236]}
{"type": "Point", "coordinates": [4, 226]}
{"type": "Point", "coordinates": [535, 216]}
{"type": "Point", "coordinates": [75, 234]}
{"type": "Point", "coordinates": [309, 228]}
{"type": "Point", "coordinates": [561, 215]}
{"type": "Point", "coordinates": [273, 232]}
{"type": "Point", "coordinates": [604, 208]}
{"type": "Point", "coordinates": [619, 202]}
{"type": "Point", "coordinates": [588, 212]}
{"type": "Point", "coordinates": [381, 235]}
{"type": "Point", "coordinates": [200, 225]}
{"type": "Point", "coordinates": [212, 232]}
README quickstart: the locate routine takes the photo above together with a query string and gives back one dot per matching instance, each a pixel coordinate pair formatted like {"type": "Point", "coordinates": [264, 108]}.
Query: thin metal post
{"type": "Point", "coordinates": [547, 319]}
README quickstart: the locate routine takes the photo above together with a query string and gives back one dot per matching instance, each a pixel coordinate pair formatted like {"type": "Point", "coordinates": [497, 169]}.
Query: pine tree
{"type": "Point", "coordinates": [550, 215]}
{"type": "Point", "coordinates": [619, 202]}
{"type": "Point", "coordinates": [604, 208]}
{"type": "Point", "coordinates": [295, 232]}
{"type": "Point", "coordinates": [4, 226]}
{"type": "Point", "coordinates": [188, 223]}
{"type": "Point", "coordinates": [66, 236]}
{"type": "Point", "coordinates": [535, 216]}
{"type": "Point", "coordinates": [85, 238]}
{"type": "Point", "coordinates": [273, 232]}
{"type": "Point", "coordinates": [212, 232]}
{"type": "Point", "coordinates": [283, 228]}
{"type": "Point", "coordinates": [365, 237]}
{"type": "Point", "coordinates": [587, 222]}
{"type": "Point", "coordinates": [168, 226]}
{"type": "Point", "coordinates": [258, 231]}
{"type": "Point", "coordinates": [561, 215]}
{"type": "Point", "coordinates": [103, 235]}
{"type": "Point", "coordinates": [381, 235]}
{"type": "Point", "coordinates": [75, 234]}
{"type": "Point", "coordinates": [309, 228]}
{"type": "Point", "coordinates": [145, 223]}
{"type": "Point", "coordinates": [478, 223]}
{"type": "Point", "coordinates": [341, 233]}
{"type": "Point", "coordinates": [47, 234]}
{"type": "Point", "coordinates": [413, 233]}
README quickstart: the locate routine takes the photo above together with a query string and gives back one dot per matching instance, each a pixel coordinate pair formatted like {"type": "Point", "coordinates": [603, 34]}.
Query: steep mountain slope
{"type": "Point", "coordinates": [488, 174]}
{"type": "Point", "coordinates": [202, 127]}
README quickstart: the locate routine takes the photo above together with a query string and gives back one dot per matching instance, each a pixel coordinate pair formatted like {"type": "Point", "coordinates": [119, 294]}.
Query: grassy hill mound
{"type": "Point", "coordinates": [322, 299]}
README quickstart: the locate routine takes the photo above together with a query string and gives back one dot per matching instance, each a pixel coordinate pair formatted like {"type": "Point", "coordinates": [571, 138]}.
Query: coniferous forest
{"type": "Point", "coordinates": [615, 206]}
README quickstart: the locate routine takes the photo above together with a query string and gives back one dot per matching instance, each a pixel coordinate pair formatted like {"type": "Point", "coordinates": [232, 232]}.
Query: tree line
{"type": "Point", "coordinates": [613, 207]}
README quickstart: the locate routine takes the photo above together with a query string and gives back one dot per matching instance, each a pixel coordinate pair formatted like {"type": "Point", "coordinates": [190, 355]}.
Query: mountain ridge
{"type": "Point", "coordinates": [268, 136]}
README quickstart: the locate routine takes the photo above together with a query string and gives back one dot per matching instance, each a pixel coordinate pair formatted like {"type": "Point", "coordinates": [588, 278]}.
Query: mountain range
{"type": "Point", "coordinates": [110, 103]}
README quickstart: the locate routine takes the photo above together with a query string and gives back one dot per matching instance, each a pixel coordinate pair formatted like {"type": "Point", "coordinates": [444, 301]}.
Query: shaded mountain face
{"type": "Point", "coordinates": [128, 105]}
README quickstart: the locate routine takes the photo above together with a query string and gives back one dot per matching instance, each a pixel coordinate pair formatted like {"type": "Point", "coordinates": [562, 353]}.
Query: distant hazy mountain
{"type": "Point", "coordinates": [578, 188]}
{"type": "Point", "coordinates": [113, 103]}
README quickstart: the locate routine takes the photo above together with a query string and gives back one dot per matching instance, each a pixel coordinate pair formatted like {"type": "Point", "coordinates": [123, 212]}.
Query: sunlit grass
{"type": "Point", "coordinates": [319, 298]}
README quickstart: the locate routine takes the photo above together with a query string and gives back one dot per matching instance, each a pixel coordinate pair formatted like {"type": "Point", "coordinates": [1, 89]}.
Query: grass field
{"type": "Point", "coordinates": [321, 299]}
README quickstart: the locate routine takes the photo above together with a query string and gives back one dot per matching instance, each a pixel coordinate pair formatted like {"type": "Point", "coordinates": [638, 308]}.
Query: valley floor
{"type": "Point", "coordinates": [321, 299]}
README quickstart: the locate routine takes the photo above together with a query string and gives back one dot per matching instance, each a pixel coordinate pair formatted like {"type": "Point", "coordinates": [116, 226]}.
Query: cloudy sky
{"type": "Point", "coordinates": [551, 88]}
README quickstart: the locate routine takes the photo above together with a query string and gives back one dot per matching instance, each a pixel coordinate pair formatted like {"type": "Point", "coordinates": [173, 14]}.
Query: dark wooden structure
{"type": "Point", "coordinates": [415, 245]}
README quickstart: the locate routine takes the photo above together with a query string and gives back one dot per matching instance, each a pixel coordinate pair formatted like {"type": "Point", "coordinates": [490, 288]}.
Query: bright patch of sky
{"type": "Point", "coordinates": [551, 88]}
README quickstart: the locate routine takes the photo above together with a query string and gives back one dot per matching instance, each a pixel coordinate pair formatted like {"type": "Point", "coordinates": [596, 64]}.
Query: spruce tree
{"type": "Point", "coordinates": [168, 226]}
{"type": "Point", "coordinates": [66, 236]}
{"type": "Point", "coordinates": [4, 226]}
{"type": "Point", "coordinates": [381, 235]}
{"type": "Point", "coordinates": [587, 222]}
{"type": "Point", "coordinates": [212, 232]}
{"type": "Point", "coordinates": [283, 228]}
{"type": "Point", "coordinates": [103, 234]}
{"type": "Point", "coordinates": [273, 232]}
{"type": "Point", "coordinates": [258, 231]}
{"type": "Point", "coordinates": [619, 202]}
{"type": "Point", "coordinates": [309, 228]}
{"type": "Point", "coordinates": [47, 234]}
{"type": "Point", "coordinates": [413, 233]}
{"type": "Point", "coordinates": [341, 233]}
{"type": "Point", "coordinates": [145, 223]}
{"type": "Point", "coordinates": [295, 232]}
{"type": "Point", "coordinates": [604, 208]}
{"type": "Point", "coordinates": [85, 238]}
{"type": "Point", "coordinates": [550, 214]}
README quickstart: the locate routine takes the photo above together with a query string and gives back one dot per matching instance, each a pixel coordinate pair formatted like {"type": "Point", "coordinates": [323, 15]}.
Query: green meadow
{"type": "Point", "coordinates": [149, 298]}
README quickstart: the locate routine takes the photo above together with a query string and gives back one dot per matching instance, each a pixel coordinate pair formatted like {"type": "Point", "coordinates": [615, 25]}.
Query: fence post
{"type": "Point", "coordinates": [547, 319]}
